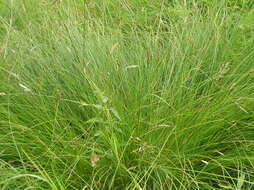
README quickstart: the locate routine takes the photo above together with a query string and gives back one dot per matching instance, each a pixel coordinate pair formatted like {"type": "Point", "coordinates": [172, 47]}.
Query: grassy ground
{"type": "Point", "coordinates": [126, 95]}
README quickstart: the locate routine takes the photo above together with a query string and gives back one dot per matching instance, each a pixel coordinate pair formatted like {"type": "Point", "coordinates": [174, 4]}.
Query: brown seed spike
{"type": "Point", "coordinates": [94, 158]}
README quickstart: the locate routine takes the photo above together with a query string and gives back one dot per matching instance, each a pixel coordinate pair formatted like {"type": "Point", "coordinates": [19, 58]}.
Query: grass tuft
{"type": "Point", "coordinates": [126, 95]}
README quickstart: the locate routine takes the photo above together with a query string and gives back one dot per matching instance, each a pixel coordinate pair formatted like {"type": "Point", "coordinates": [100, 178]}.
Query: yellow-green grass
{"type": "Point", "coordinates": [126, 95]}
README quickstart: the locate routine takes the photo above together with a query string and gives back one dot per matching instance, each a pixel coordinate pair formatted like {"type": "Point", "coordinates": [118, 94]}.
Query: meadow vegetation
{"type": "Point", "coordinates": [146, 95]}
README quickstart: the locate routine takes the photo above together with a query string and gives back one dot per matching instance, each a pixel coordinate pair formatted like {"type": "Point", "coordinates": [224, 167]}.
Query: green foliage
{"type": "Point", "coordinates": [126, 95]}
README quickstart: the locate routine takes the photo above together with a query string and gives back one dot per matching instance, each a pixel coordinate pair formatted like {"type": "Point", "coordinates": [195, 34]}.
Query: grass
{"type": "Point", "coordinates": [126, 95]}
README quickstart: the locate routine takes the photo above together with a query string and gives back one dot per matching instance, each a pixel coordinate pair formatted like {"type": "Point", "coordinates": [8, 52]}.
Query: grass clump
{"type": "Point", "coordinates": [122, 95]}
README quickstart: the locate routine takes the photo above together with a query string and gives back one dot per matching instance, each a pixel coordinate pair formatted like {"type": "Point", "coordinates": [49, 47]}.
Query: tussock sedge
{"type": "Point", "coordinates": [146, 95]}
